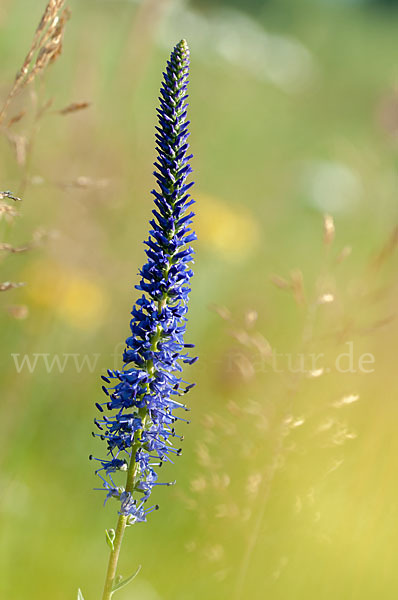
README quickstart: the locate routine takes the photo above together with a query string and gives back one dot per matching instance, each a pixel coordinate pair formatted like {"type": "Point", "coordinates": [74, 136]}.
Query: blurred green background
{"type": "Point", "coordinates": [287, 485]}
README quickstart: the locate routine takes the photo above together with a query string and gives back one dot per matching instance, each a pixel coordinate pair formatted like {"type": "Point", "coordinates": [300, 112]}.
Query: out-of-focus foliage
{"type": "Point", "coordinates": [287, 483]}
{"type": "Point", "coordinates": [250, 5]}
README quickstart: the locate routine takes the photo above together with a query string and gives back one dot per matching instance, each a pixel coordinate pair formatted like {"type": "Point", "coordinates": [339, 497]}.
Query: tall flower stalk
{"type": "Point", "coordinates": [137, 420]}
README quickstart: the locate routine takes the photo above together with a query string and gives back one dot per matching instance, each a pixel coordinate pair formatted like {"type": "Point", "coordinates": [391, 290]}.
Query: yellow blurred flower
{"type": "Point", "coordinates": [231, 231]}
{"type": "Point", "coordinates": [70, 293]}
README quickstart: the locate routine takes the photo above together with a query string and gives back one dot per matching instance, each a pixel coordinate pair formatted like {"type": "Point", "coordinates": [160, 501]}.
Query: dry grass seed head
{"type": "Point", "coordinates": [222, 311]}
{"type": "Point", "coordinates": [4, 195]}
{"type": "Point", "coordinates": [10, 285]}
{"type": "Point", "coordinates": [298, 286]}
{"type": "Point", "coordinates": [44, 50]}
{"type": "Point", "coordinates": [387, 250]}
{"type": "Point", "coordinates": [280, 282]}
{"type": "Point", "coordinates": [345, 253]}
{"type": "Point", "coordinates": [328, 229]}
{"type": "Point", "coordinates": [18, 311]}
{"type": "Point", "coordinates": [74, 107]}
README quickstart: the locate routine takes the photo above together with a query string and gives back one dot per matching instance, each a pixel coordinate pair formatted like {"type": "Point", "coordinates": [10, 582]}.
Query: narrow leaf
{"type": "Point", "coordinates": [121, 584]}
{"type": "Point", "coordinates": [110, 538]}
{"type": "Point", "coordinates": [79, 595]}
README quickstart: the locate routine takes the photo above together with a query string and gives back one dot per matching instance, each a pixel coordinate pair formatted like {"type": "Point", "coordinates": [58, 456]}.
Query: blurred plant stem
{"type": "Point", "coordinates": [39, 108]}
{"type": "Point", "coordinates": [140, 41]}
{"type": "Point", "coordinates": [265, 493]}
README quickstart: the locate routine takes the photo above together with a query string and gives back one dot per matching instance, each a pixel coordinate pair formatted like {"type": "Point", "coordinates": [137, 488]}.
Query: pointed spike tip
{"type": "Point", "coordinates": [183, 44]}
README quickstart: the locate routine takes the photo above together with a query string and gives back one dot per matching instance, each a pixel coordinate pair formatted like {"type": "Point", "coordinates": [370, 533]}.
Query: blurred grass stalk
{"type": "Point", "coordinates": [44, 51]}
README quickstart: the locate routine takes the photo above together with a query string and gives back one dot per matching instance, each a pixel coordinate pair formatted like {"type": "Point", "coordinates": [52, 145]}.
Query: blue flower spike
{"type": "Point", "coordinates": [144, 399]}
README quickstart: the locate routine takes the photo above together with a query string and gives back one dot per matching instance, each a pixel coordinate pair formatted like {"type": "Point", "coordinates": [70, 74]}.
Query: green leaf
{"type": "Point", "coordinates": [79, 595]}
{"type": "Point", "coordinates": [120, 584]}
{"type": "Point", "coordinates": [110, 538]}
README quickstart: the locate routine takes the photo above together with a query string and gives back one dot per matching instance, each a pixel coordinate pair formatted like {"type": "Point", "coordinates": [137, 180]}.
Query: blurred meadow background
{"type": "Point", "coordinates": [287, 484]}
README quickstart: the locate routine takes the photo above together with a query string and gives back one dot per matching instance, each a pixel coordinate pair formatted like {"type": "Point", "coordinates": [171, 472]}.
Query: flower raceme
{"type": "Point", "coordinates": [137, 420]}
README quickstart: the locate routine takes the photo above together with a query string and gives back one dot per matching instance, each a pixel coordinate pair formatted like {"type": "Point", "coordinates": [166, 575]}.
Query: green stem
{"type": "Point", "coordinates": [122, 522]}
{"type": "Point", "coordinates": [130, 481]}
{"type": "Point", "coordinates": [114, 557]}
